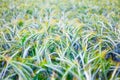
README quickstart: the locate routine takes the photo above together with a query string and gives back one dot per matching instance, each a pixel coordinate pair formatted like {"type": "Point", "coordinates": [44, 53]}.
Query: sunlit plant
{"type": "Point", "coordinates": [58, 40]}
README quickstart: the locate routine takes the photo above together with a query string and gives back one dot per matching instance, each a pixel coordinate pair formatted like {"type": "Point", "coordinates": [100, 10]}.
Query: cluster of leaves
{"type": "Point", "coordinates": [58, 39]}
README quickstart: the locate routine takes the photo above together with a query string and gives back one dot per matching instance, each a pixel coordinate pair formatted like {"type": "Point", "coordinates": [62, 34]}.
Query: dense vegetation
{"type": "Point", "coordinates": [58, 39]}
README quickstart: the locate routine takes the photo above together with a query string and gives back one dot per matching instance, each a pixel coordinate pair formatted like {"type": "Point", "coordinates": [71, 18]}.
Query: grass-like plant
{"type": "Point", "coordinates": [58, 39]}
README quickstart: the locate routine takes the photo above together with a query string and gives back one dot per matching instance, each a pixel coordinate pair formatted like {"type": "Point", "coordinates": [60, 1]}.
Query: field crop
{"type": "Point", "coordinates": [58, 39]}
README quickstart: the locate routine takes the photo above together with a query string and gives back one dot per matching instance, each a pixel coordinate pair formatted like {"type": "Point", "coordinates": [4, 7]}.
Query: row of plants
{"type": "Point", "coordinates": [58, 40]}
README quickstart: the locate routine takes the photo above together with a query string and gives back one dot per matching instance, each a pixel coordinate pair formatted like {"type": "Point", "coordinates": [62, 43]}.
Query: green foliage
{"type": "Point", "coordinates": [58, 39]}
